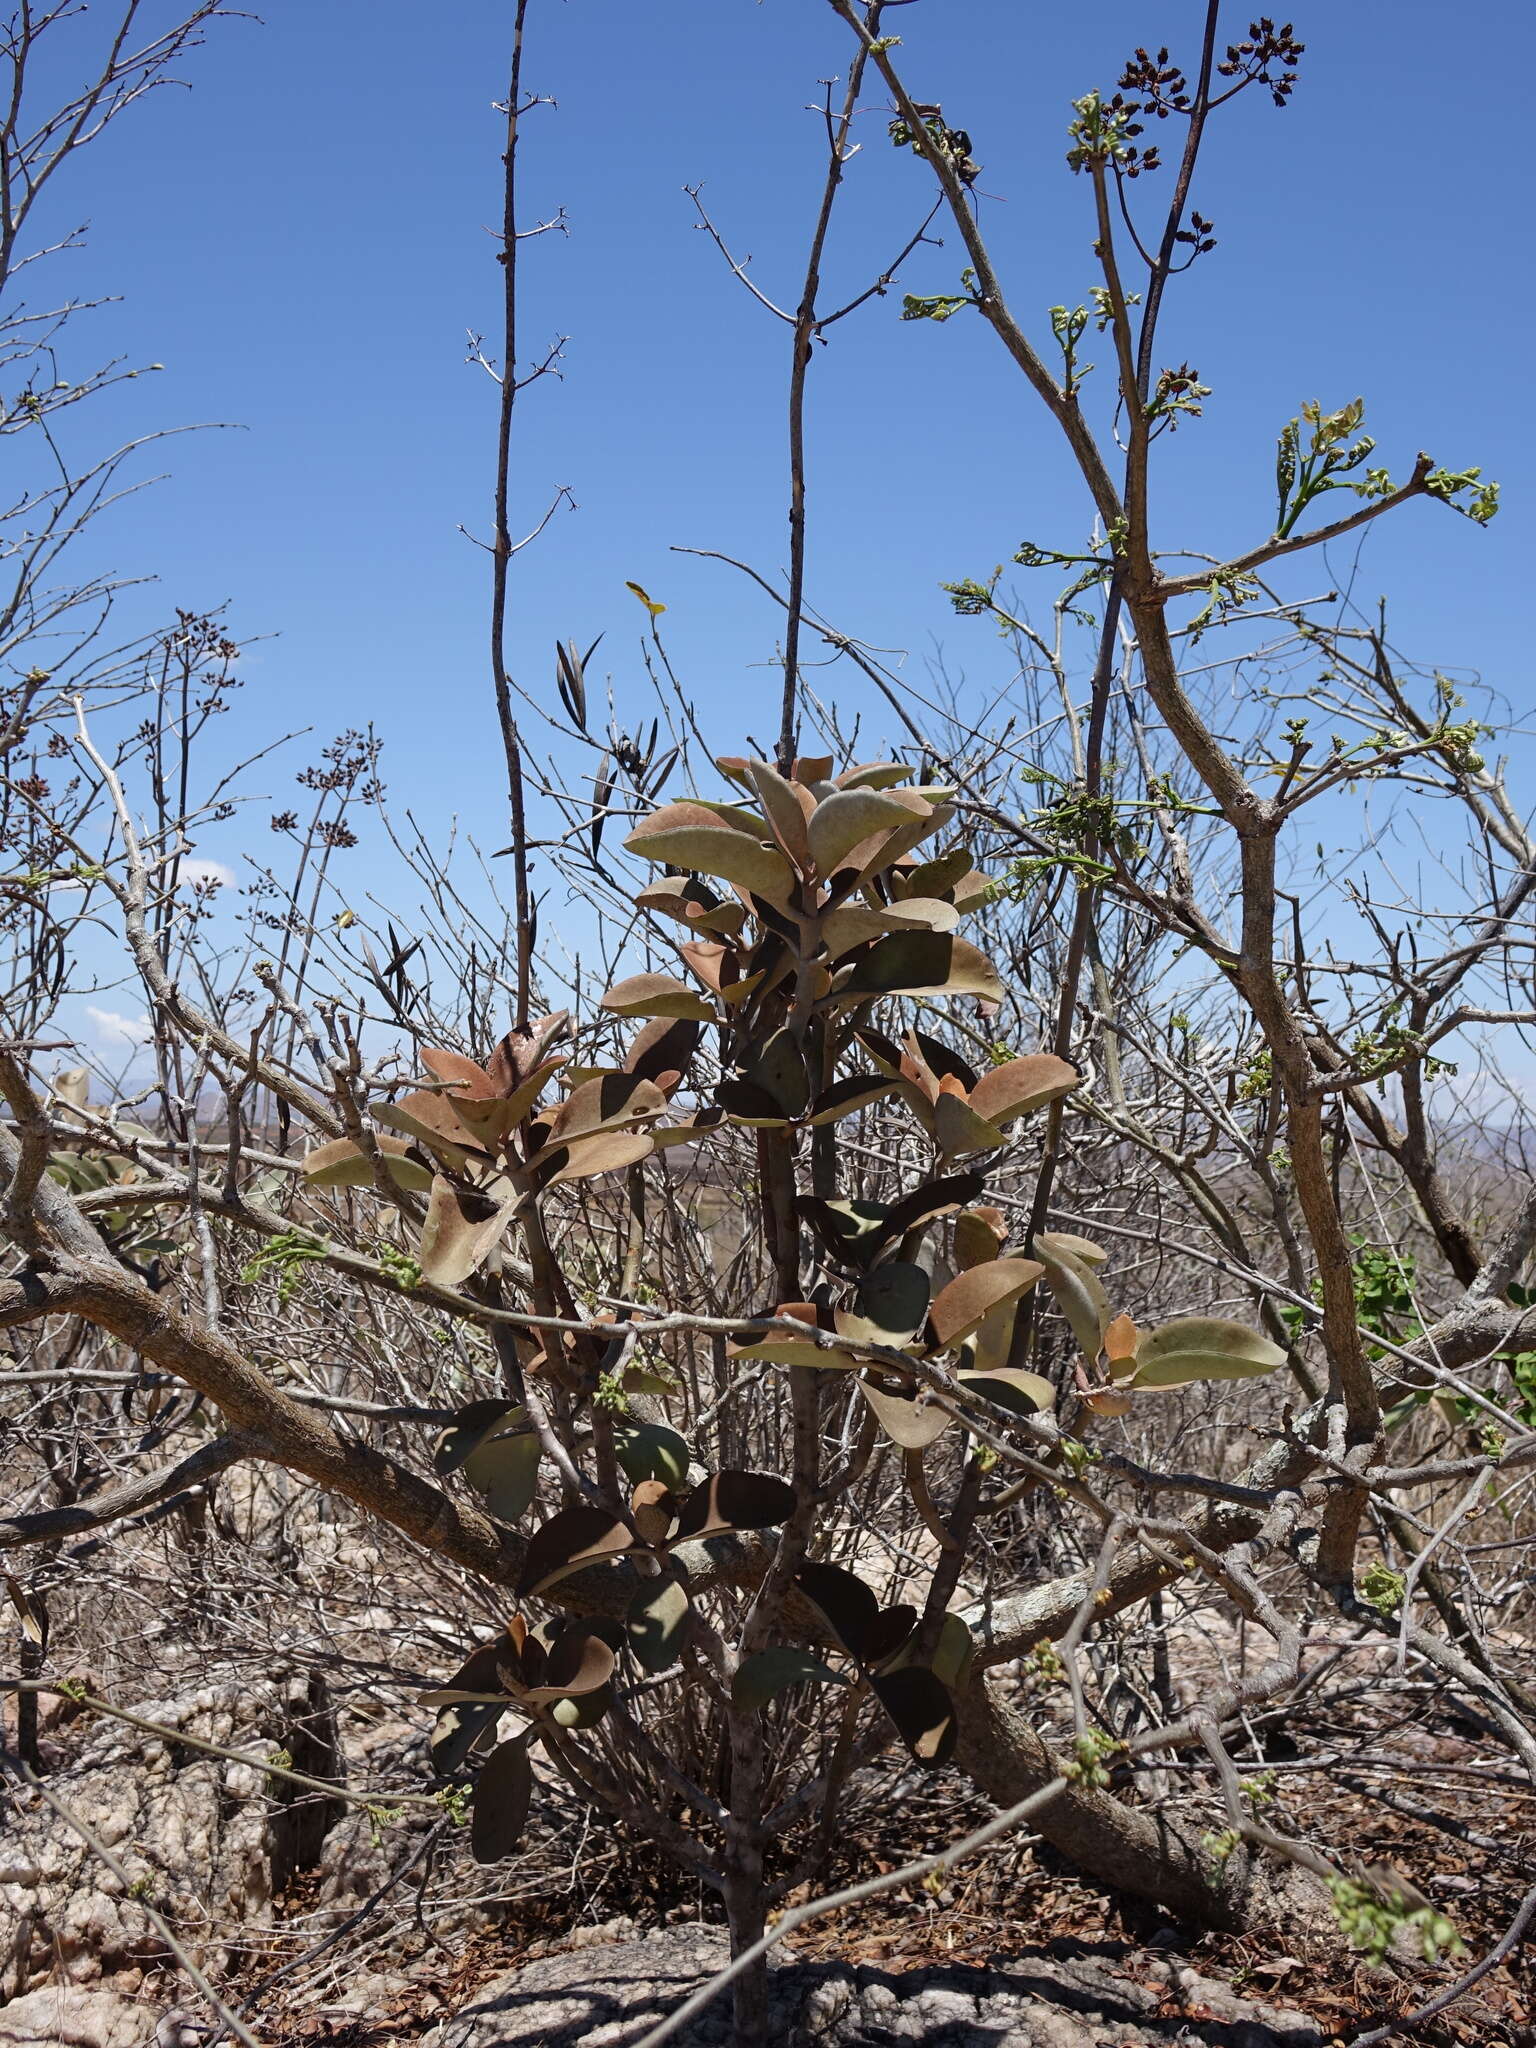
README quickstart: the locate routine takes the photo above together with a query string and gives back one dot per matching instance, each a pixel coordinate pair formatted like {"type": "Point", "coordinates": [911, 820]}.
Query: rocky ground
{"type": "Point", "coordinates": [363, 1923]}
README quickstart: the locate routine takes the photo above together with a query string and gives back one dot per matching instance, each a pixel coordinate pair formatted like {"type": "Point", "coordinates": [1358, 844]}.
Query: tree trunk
{"type": "Point", "coordinates": [1122, 1847]}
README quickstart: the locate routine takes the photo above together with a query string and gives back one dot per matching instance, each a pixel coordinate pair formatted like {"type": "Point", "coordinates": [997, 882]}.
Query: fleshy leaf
{"type": "Point", "coordinates": [650, 1450]}
{"type": "Point", "coordinates": [688, 835]}
{"type": "Point", "coordinates": [780, 1071]}
{"type": "Point", "coordinates": [744, 1102]}
{"type": "Point", "coordinates": [1019, 1086]}
{"type": "Point", "coordinates": [920, 1705]}
{"type": "Point", "coordinates": [1077, 1289]}
{"type": "Point", "coordinates": [478, 1679]}
{"type": "Point", "coordinates": [470, 1426]}
{"type": "Point", "coordinates": [912, 1424]}
{"type": "Point", "coordinates": [842, 1098]}
{"type": "Point", "coordinates": [455, 1733]}
{"type": "Point", "coordinates": [959, 1130]}
{"type": "Point", "coordinates": [935, 877]}
{"type": "Point", "coordinates": [733, 1500]}
{"type": "Point", "coordinates": [978, 1239]}
{"type": "Point", "coordinates": [857, 924]}
{"type": "Point", "coordinates": [574, 1537]}
{"type": "Point", "coordinates": [850, 1608]}
{"type": "Point", "coordinates": [499, 1804]}
{"type": "Point", "coordinates": [767, 1672]}
{"type": "Point", "coordinates": [973, 1295]}
{"type": "Point", "coordinates": [887, 1635]}
{"type": "Point", "coordinates": [1083, 1249]}
{"type": "Point", "coordinates": [656, 1624]}
{"type": "Point", "coordinates": [428, 1119]}
{"type": "Point", "coordinates": [1026, 1393]}
{"type": "Point", "coordinates": [891, 1307]}
{"type": "Point", "coordinates": [459, 1232]}
{"type": "Point", "coordinates": [578, 1662]}
{"type": "Point", "coordinates": [937, 1198]}
{"type": "Point", "coordinates": [456, 1072]}
{"type": "Point", "coordinates": [845, 820]}
{"type": "Point", "coordinates": [504, 1468]}
{"type": "Point", "coordinates": [952, 1653]}
{"type": "Point", "coordinates": [657, 995]}
{"type": "Point", "coordinates": [582, 1710]}
{"type": "Point", "coordinates": [665, 1046]}
{"type": "Point", "coordinates": [1203, 1348]}
{"type": "Point", "coordinates": [600, 1104]}
{"type": "Point", "coordinates": [781, 807]}
{"type": "Point", "coordinates": [923, 964]}
{"type": "Point", "coordinates": [1121, 1341]}
{"type": "Point", "coordinates": [341, 1164]}
{"type": "Point", "coordinates": [603, 1152]}
{"type": "Point", "coordinates": [873, 775]}
{"type": "Point", "coordinates": [849, 1230]}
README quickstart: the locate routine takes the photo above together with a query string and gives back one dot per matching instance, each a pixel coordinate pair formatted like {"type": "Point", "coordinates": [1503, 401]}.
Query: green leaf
{"type": "Point", "coordinates": [1077, 1290]}
{"type": "Point", "coordinates": [850, 1608]}
{"type": "Point", "coordinates": [768, 1672]}
{"type": "Point", "coordinates": [341, 1164]}
{"type": "Point", "coordinates": [456, 1732]}
{"type": "Point", "coordinates": [1025, 1393]}
{"type": "Point", "coordinates": [958, 1130]}
{"type": "Point", "coordinates": [923, 964]}
{"type": "Point", "coordinates": [891, 1307]}
{"type": "Point", "coordinates": [500, 1802]}
{"type": "Point", "coordinates": [650, 1450]}
{"type": "Point", "coordinates": [846, 819]}
{"type": "Point", "coordinates": [920, 1705]}
{"type": "Point", "coordinates": [733, 1500]}
{"type": "Point", "coordinates": [1203, 1348]}
{"type": "Point", "coordinates": [504, 1468]}
{"type": "Point", "coordinates": [657, 1623]}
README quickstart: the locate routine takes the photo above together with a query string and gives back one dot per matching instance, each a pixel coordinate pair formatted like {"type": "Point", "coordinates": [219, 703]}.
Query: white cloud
{"type": "Point", "coordinates": [112, 1028]}
{"type": "Point", "coordinates": [199, 870]}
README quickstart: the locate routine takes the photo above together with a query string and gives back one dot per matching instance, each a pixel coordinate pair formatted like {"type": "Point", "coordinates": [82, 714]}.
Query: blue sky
{"type": "Point", "coordinates": [302, 242]}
